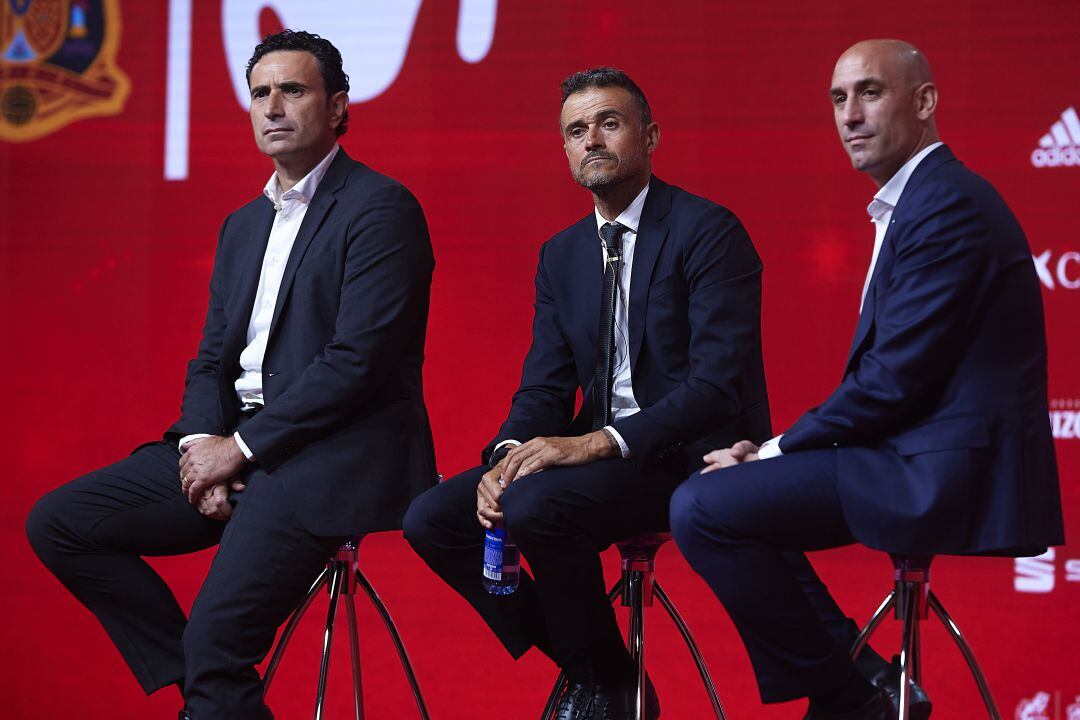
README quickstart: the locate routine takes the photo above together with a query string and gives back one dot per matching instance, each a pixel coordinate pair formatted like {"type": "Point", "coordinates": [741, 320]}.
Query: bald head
{"type": "Point", "coordinates": [884, 99]}
{"type": "Point", "coordinates": [904, 58]}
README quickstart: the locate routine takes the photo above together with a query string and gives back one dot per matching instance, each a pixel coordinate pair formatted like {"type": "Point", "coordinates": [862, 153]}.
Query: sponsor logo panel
{"type": "Point", "coordinates": [1047, 705]}
{"type": "Point", "coordinates": [1060, 147]}
{"type": "Point", "coordinates": [1065, 418]}
{"type": "Point", "coordinates": [1058, 271]}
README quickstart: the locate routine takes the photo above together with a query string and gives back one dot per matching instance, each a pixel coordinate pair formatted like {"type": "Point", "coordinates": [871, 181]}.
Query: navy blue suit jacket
{"type": "Point", "coordinates": [941, 419]}
{"type": "Point", "coordinates": [345, 426]}
{"type": "Point", "coordinates": [695, 337]}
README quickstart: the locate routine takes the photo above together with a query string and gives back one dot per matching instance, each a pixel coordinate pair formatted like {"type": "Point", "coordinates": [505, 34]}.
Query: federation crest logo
{"type": "Point", "coordinates": [58, 65]}
{"type": "Point", "coordinates": [1034, 708]}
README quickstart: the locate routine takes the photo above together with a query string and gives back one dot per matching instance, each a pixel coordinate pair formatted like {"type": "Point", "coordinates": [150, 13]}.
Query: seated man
{"type": "Point", "coordinates": [936, 441]}
{"type": "Point", "coordinates": [673, 283]}
{"type": "Point", "coordinates": [305, 395]}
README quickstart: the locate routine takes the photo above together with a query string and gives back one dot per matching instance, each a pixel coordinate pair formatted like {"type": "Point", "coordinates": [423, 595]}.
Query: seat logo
{"type": "Point", "coordinates": [58, 65]}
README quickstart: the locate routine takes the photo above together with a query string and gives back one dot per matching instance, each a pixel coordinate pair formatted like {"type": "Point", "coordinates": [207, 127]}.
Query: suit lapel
{"type": "Point", "coordinates": [588, 274]}
{"type": "Point", "coordinates": [866, 317]}
{"type": "Point", "coordinates": [930, 163]}
{"type": "Point", "coordinates": [652, 232]}
{"type": "Point", "coordinates": [316, 213]}
{"type": "Point", "coordinates": [249, 263]}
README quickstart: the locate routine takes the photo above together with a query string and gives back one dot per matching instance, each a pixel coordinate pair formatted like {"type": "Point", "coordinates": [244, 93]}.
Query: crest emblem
{"type": "Point", "coordinates": [57, 65]}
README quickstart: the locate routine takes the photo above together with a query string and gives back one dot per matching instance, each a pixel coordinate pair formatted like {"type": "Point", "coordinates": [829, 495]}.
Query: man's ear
{"type": "Point", "coordinates": [652, 134]}
{"type": "Point", "coordinates": [926, 101]}
{"type": "Point", "coordinates": [339, 104]}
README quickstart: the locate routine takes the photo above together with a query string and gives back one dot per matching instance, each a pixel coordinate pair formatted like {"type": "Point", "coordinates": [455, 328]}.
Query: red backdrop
{"type": "Point", "coordinates": [105, 266]}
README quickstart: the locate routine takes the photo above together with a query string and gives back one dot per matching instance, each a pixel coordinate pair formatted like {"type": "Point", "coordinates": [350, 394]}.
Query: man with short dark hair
{"type": "Point", "coordinates": [303, 419]}
{"type": "Point", "coordinates": [650, 307]}
{"type": "Point", "coordinates": [936, 441]}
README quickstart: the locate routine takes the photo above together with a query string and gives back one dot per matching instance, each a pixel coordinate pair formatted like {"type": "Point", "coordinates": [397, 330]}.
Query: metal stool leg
{"type": "Point", "coordinates": [336, 576]}
{"type": "Point", "coordinates": [695, 653]}
{"type": "Point", "coordinates": [969, 656]}
{"type": "Point", "coordinates": [871, 627]}
{"type": "Point", "coordinates": [635, 635]}
{"type": "Point", "coordinates": [396, 637]}
{"type": "Point", "coordinates": [354, 652]}
{"type": "Point", "coordinates": [290, 628]}
{"type": "Point", "coordinates": [560, 682]}
{"type": "Point", "coordinates": [910, 633]}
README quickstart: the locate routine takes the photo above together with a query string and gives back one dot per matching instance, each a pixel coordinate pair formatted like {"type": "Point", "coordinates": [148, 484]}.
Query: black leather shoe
{"type": "Point", "coordinates": [889, 681]}
{"type": "Point", "coordinates": [876, 708]}
{"type": "Point", "coordinates": [620, 702]}
{"type": "Point", "coordinates": [575, 703]}
{"type": "Point", "coordinates": [184, 715]}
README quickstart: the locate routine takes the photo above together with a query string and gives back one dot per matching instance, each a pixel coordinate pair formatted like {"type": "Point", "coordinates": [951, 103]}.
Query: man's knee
{"type": "Point", "coordinates": [531, 514]}
{"type": "Point", "coordinates": [45, 522]}
{"type": "Point", "coordinates": [697, 515]}
{"type": "Point", "coordinates": [684, 514]}
{"type": "Point", "coordinates": [424, 519]}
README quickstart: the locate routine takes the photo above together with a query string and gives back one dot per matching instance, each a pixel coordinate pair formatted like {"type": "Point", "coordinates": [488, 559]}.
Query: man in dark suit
{"type": "Point", "coordinates": [936, 441]}
{"type": "Point", "coordinates": [303, 418]}
{"type": "Point", "coordinates": [650, 306]}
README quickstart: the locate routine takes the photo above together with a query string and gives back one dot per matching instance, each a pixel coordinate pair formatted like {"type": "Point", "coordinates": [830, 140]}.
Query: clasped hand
{"type": "Point", "coordinates": [533, 457]}
{"type": "Point", "coordinates": [206, 465]}
{"type": "Point", "coordinates": [740, 452]}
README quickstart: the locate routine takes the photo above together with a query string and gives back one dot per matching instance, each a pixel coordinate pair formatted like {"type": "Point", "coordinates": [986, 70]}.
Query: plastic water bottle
{"type": "Point", "coordinates": [502, 563]}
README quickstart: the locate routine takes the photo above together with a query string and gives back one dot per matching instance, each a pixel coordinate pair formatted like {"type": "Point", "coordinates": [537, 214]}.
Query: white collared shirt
{"type": "Point", "coordinates": [623, 403]}
{"type": "Point", "coordinates": [880, 211]}
{"type": "Point", "coordinates": [881, 207]}
{"type": "Point", "coordinates": [290, 206]}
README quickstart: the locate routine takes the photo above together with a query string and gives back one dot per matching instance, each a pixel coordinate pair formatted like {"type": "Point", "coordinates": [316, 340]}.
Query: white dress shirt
{"type": "Point", "coordinates": [290, 206]}
{"type": "Point", "coordinates": [623, 402]}
{"type": "Point", "coordinates": [880, 211]}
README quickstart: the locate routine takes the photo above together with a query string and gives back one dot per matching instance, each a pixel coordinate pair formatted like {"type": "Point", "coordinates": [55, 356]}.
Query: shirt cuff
{"type": "Point", "coordinates": [515, 443]}
{"type": "Point", "coordinates": [623, 447]}
{"type": "Point", "coordinates": [243, 446]}
{"type": "Point", "coordinates": [189, 438]}
{"type": "Point", "coordinates": [770, 448]}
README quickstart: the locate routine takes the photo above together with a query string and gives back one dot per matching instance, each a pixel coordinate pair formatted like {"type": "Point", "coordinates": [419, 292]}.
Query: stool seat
{"type": "Point", "coordinates": [646, 544]}
{"type": "Point", "coordinates": [912, 600]}
{"type": "Point", "coordinates": [636, 587]}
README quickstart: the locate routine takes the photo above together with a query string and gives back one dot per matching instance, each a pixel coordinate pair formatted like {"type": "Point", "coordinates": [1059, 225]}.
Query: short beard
{"type": "Point", "coordinates": [599, 182]}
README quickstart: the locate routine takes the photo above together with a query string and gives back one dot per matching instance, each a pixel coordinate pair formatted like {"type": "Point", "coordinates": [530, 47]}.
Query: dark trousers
{"type": "Point", "coordinates": [93, 532]}
{"type": "Point", "coordinates": [560, 519]}
{"type": "Point", "coordinates": [740, 528]}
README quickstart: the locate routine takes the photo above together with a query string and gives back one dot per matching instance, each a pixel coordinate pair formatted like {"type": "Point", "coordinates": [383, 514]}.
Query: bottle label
{"type": "Point", "coordinates": [493, 553]}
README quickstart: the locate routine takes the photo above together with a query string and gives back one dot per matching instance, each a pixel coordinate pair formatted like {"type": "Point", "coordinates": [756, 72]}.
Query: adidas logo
{"type": "Point", "coordinates": [1061, 146]}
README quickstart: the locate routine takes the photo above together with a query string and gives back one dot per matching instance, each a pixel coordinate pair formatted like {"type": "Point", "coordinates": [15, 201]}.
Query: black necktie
{"type": "Point", "coordinates": [611, 233]}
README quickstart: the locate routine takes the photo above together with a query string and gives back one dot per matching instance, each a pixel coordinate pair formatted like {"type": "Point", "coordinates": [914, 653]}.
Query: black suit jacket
{"type": "Point", "coordinates": [695, 336]}
{"type": "Point", "coordinates": [941, 419]}
{"type": "Point", "coordinates": [345, 426]}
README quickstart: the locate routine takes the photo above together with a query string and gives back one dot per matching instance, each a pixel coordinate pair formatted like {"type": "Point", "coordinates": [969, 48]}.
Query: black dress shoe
{"type": "Point", "coordinates": [876, 708]}
{"type": "Point", "coordinates": [184, 715]}
{"type": "Point", "coordinates": [619, 702]}
{"type": "Point", "coordinates": [575, 703]}
{"type": "Point", "coordinates": [889, 681]}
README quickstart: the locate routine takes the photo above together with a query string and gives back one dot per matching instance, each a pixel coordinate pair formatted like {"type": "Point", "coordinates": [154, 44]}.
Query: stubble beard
{"type": "Point", "coordinates": [601, 182]}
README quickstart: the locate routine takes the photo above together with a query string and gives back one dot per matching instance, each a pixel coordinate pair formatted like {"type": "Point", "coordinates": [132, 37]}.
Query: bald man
{"type": "Point", "coordinates": [937, 439]}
